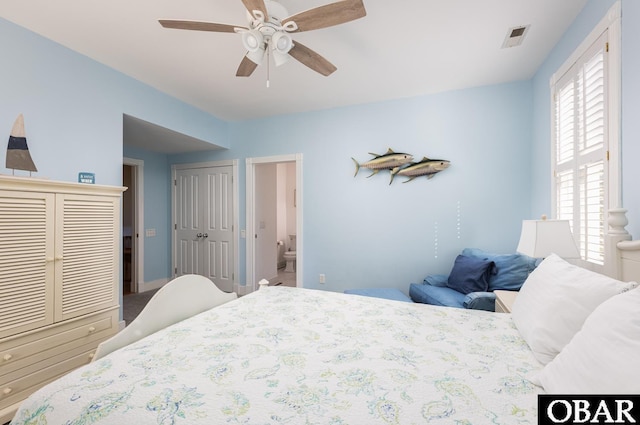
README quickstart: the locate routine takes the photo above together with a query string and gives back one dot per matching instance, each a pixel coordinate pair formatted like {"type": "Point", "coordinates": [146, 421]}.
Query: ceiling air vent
{"type": "Point", "coordinates": [515, 36]}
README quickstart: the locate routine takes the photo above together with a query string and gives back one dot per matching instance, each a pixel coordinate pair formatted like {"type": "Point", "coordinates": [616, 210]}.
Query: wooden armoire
{"type": "Point", "coordinates": [59, 278]}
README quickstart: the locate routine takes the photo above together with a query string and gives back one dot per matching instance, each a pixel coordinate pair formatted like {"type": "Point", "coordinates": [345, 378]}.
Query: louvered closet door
{"type": "Point", "coordinates": [26, 261]}
{"type": "Point", "coordinates": [87, 240]}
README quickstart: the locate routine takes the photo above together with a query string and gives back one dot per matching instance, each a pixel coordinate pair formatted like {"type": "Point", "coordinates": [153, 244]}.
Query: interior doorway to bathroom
{"type": "Point", "coordinates": [274, 220]}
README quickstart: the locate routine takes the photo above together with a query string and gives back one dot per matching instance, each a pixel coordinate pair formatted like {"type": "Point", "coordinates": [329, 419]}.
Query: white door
{"type": "Point", "coordinates": [218, 226]}
{"type": "Point", "coordinates": [204, 224]}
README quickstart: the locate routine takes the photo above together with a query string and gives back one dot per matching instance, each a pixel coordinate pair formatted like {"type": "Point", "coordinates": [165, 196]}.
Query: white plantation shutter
{"type": "Point", "coordinates": [581, 149]}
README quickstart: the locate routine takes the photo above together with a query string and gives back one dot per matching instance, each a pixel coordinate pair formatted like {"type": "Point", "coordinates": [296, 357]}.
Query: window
{"type": "Point", "coordinates": [581, 149]}
{"type": "Point", "coordinates": [585, 138]}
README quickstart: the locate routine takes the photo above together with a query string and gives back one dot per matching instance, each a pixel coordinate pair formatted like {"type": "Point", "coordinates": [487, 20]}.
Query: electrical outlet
{"type": "Point", "coordinates": [322, 278]}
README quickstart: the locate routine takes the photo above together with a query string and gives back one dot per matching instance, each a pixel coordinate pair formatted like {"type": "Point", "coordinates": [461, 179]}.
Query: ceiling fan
{"type": "Point", "coordinates": [270, 26]}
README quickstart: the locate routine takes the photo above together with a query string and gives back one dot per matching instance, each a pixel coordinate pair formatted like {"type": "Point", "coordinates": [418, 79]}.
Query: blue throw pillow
{"type": "Point", "coordinates": [511, 269]}
{"type": "Point", "coordinates": [470, 274]}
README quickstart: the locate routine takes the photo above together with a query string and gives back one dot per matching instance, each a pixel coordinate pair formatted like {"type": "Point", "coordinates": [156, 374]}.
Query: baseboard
{"type": "Point", "coordinates": [243, 289]}
{"type": "Point", "coordinates": [154, 284]}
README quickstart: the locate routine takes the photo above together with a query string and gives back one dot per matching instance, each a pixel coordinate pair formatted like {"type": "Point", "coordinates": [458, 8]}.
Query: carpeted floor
{"type": "Point", "coordinates": [133, 304]}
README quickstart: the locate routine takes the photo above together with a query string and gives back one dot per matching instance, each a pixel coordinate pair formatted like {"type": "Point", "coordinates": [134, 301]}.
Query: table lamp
{"type": "Point", "coordinates": [539, 238]}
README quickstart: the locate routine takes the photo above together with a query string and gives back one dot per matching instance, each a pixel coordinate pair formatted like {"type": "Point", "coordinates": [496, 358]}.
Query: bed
{"type": "Point", "coordinates": [297, 356]}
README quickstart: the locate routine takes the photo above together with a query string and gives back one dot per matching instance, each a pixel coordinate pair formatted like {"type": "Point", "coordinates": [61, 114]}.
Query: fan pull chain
{"type": "Point", "coordinates": [268, 63]}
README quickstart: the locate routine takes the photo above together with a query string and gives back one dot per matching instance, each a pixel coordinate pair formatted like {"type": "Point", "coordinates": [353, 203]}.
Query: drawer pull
{"type": "Point", "coordinates": [7, 357]}
{"type": "Point", "coordinates": [92, 329]}
{"type": "Point", "coordinates": [7, 391]}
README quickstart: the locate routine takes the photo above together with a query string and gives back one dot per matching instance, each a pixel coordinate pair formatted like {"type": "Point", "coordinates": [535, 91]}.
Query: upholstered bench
{"type": "Point", "coordinates": [386, 293]}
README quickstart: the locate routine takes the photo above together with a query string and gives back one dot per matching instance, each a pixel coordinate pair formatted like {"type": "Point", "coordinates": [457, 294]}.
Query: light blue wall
{"type": "Point", "coordinates": [592, 13]}
{"type": "Point", "coordinates": [73, 108]}
{"type": "Point", "coordinates": [364, 232]}
{"type": "Point", "coordinates": [631, 112]}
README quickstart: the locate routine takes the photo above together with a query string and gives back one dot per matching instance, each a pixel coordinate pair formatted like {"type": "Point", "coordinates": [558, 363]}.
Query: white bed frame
{"type": "Point", "coordinates": [183, 297]}
{"type": "Point", "coordinates": [622, 255]}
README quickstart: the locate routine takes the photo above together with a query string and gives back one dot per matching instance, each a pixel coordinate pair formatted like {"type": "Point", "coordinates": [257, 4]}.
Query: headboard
{"type": "Point", "coordinates": [622, 255]}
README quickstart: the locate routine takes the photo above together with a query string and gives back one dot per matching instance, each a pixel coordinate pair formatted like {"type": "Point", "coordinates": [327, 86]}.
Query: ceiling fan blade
{"type": "Point", "coordinates": [328, 15]}
{"type": "Point", "coordinates": [246, 68]}
{"type": "Point", "coordinates": [252, 5]}
{"type": "Point", "coordinates": [198, 26]}
{"type": "Point", "coordinates": [313, 60]}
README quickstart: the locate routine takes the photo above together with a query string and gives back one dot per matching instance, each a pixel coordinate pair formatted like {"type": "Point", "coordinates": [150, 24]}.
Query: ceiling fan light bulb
{"type": "Point", "coordinates": [281, 42]}
{"type": "Point", "coordinates": [252, 40]}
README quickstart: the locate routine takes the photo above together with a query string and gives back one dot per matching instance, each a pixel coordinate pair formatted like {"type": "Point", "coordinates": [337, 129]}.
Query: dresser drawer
{"type": "Point", "coordinates": [27, 350]}
{"type": "Point", "coordinates": [19, 385]}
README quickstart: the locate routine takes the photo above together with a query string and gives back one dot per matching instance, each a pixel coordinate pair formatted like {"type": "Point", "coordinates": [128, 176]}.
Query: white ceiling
{"type": "Point", "coordinates": [400, 49]}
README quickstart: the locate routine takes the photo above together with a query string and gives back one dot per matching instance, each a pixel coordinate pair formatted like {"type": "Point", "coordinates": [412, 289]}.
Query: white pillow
{"type": "Point", "coordinates": [554, 302]}
{"type": "Point", "coordinates": [603, 357]}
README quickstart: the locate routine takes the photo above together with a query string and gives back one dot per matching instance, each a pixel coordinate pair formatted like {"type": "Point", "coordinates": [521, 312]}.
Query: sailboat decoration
{"type": "Point", "coordinates": [18, 157]}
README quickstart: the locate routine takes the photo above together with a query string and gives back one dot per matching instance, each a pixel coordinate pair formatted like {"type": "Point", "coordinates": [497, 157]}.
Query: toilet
{"type": "Point", "coordinates": [290, 255]}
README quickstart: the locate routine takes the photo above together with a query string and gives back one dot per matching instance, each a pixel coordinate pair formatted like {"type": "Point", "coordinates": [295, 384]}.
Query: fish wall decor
{"type": "Point", "coordinates": [388, 161]}
{"type": "Point", "coordinates": [18, 156]}
{"type": "Point", "coordinates": [427, 167]}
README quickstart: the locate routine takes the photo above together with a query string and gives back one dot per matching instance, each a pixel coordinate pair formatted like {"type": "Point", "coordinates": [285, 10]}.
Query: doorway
{"type": "Point", "coordinates": [264, 232]}
{"type": "Point", "coordinates": [132, 222]}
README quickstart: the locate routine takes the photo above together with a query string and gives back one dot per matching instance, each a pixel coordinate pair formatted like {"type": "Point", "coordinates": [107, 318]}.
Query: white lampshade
{"type": "Point", "coordinates": [540, 238]}
{"type": "Point", "coordinates": [258, 55]}
{"type": "Point", "coordinates": [281, 43]}
{"type": "Point", "coordinates": [252, 40]}
{"type": "Point", "coordinates": [280, 58]}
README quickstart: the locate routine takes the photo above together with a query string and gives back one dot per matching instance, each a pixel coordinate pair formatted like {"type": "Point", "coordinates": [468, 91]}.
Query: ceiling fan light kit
{"type": "Point", "coordinates": [269, 30]}
{"type": "Point", "coordinates": [252, 40]}
{"type": "Point", "coordinates": [281, 42]}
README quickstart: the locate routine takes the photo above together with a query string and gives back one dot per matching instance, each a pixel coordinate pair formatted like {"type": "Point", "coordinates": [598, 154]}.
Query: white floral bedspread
{"type": "Point", "coordinates": [297, 356]}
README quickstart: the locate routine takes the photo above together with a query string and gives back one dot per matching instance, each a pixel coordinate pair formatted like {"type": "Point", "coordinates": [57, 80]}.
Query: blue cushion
{"type": "Point", "coordinates": [480, 301]}
{"type": "Point", "coordinates": [436, 279]}
{"type": "Point", "coordinates": [436, 295]}
{"type": "Point", "coordinates": [511, 270]}
{"type": "Point", "coordinates": [470, 274]}
{"type": "Point", "coordinates": [386, 293]}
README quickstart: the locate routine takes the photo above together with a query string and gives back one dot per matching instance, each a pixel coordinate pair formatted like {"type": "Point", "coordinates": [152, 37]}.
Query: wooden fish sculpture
{"type": "Point", "coordinates": [426, 167]}
{"type": "Point", "coordinates": [18, 157]}
{"type": "Point", "coordinates": [387, 161]}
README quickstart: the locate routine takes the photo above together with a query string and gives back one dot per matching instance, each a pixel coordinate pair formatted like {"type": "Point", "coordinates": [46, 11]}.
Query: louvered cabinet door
{"type": "Point", "coordinates": [87, 230]}
{"type": "Point", "coordinates": [27, 261]}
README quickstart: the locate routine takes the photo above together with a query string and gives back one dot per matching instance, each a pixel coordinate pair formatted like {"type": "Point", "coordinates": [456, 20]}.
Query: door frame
{"type": "Point", "coordinates": [251, 284]}
{"type": "Point", "coordinates": [233, 163]}
{"type": "Point", "coordinates": [137, 260]}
